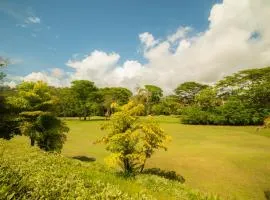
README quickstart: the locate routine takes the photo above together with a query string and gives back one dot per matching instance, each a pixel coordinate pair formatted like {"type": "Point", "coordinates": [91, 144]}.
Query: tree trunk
{"type": "Point", "coordinates": [143, 165]}
{"type": "Point", "coordinates": [84, 118]}
{"type": "Point", "coordinates": [32, 141]}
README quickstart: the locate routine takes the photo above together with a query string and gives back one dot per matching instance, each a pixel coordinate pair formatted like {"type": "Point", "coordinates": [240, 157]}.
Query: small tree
{"type": "Point", "coordinates": [132, 140]}
{"type": "Point", "coordinates": [33, 104]}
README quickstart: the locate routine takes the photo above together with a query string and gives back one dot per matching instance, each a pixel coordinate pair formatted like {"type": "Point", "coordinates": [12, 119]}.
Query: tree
{"type": "Point", "coordinates": [154, 96]}
{"type": "Point", "coordinates": [132, 140]}
{"type": "Point", "coordinates": [188, 90]}
{"type": "Point", "coordinates": [51, 131]}
{"type": "Point", "coordinates": [156, 93]}
{"type": "Point", "coordinates": [113, 95]}
{"type": "Point", "coordinates": [207, 98]}
{"type": "Point", "coordinates": [148, 95]}
{"type": "Point", "coordinates": [9, 125]}
{"type": "Point", "coordinates": [34, 104]}
{"type": "Point", "coordinates": [66, 105]}
{"type": "Point", "coordinates": [84, 91]}
{"type": "Point", "coordinates": [243, 81]}
{"type": "Point", "coordinates": [3, 63]}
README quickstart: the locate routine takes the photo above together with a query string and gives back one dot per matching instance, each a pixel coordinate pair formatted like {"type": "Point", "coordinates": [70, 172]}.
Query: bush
{"type": "Point", "coordinates": [160, 109]}
{"type": "Point", "coordinates": [233, 112]}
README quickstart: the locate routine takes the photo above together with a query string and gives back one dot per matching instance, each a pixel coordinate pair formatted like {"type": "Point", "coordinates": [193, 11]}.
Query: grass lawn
{"type": "Point", "coordinates": [230, 161]}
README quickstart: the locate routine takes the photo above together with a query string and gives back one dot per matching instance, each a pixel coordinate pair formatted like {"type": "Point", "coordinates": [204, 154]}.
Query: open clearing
{"type": "Point", "coordinates": [229, 161]}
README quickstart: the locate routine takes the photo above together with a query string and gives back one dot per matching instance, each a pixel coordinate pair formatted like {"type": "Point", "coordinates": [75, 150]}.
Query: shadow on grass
{"type": "Point", "coordinates": [267, 194]}
{"type": "Point", "coordinates": [172, 175]}
{"type": "Point", "coordinates": [84, 158]}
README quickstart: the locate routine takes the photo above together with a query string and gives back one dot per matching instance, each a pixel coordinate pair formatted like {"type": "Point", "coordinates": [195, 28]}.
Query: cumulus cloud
{"type": "Point", "coordinates": [52, 78]}
{"type": "Point", "coordinates": [147, 39]}
{"type": "Point", "coordinates": [238, 37]}
{"type": "Point", "coordinates": [179, 34]}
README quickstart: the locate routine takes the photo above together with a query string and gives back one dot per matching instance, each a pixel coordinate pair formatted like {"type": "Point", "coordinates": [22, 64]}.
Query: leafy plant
{"type": "Point", "coordinates": [132, 140]}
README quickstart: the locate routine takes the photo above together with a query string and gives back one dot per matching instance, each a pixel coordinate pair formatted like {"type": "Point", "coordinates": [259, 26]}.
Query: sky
{"type": "Point", "coordinates": [132, 43]}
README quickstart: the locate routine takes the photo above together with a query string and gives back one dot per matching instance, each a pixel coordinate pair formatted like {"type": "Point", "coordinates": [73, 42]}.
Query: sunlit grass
{"type": "Point", "coordinates": [230, 161]}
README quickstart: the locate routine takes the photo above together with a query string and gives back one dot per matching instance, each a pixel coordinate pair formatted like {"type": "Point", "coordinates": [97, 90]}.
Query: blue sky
{"type": "Point", "coordinates": [79, 27]}
{"type": "Point", "coordinates": [130, 43]}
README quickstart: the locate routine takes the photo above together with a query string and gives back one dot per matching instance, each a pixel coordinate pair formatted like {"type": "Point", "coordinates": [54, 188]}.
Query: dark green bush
{"type": "Point", "coordinates": [233, 112]}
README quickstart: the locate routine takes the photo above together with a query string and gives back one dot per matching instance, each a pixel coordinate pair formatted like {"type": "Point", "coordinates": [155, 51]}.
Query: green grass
{"type": "Point", "coordinates": [29, 173]}
{"type": "Point", "coordinates": [233, 162]}
{"type": "Point", "coordinates": [230, 161]}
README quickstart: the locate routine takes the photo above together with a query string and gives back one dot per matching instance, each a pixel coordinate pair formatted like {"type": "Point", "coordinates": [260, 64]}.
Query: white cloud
{"type": "Point", "coordinates": [225, 47]}
{"type": "Point", "coordinates": [179, 34]}
{"type": "Point", "coordinates": [147, 39]}
{"type": "Point", "coordinates": [57, 73]}
{"type": "Point", "coordinates": [10, 84]}
{"type": "Point", "coordinates": [51, 78]}
{"type": "Point", "coordinates": [33, 20]}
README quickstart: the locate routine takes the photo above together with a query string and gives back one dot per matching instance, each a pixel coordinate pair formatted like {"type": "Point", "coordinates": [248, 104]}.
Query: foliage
{"type": "Point", "coordinates": [233, 112]}
{"type": "Point", "coordinates": [28, 173]}
{"type": "Point", "coordinates": [32, 96]}
{"type": "Point", "coordinates": [267, 122]}
{"type": "Point", "coordinates": [3, 63]}
{"type": "Point", "coordinates": [65, 104]}
{"type": "Point", "coordinates": [45, 129]}
{"type": "Point", "coordinates": [51, 130]}
{"type": "Point", "coordinates": [155, 93]}
{"type": "Point", "coordinates": [33, 104]}
{"type": "Point", "coordinates": [149, 96]}
{"type": "Point", "coordinates": [84, 91]}
{"type": "Point", "coordinates": [186, 91]}
{"type": "Point", "coordinates": [240, 99]}
{"type": "Point", "coordinates": [207, 98]}
{"type": "Point", "coordinates": [9, 123]}
{"type": "Point", "coordinates": [113, 95]}
{"type": "Point", "coordinates": [130, 140]}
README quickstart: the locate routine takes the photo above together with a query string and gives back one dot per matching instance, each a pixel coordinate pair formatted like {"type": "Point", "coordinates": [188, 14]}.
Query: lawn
{"type": "Point", "coordinates": [230, 161]}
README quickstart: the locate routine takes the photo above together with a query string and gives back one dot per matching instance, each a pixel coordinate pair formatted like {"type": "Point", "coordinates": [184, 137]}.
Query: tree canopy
{"type": "Point", "coordinates": [187, 91]}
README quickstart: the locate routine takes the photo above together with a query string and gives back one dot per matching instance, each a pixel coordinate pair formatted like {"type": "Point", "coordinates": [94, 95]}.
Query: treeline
{"type": "Point", "coordinates": [83, 99]}
{"type": "Point", "coordinates": [240, 99]}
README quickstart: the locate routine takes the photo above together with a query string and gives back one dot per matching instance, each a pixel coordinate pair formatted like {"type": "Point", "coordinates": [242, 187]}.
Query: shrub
{"type": "Point", "coordinates": [233, 112]}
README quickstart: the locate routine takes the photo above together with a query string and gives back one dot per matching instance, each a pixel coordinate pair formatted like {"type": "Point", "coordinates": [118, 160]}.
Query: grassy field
{"type": "Point", "coordinates": [230, 161]}
{"type": "Point", "coordinates": [30, 173]}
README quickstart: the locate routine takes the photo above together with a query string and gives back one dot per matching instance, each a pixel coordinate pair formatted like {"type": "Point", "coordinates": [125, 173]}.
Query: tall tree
{"type": "Point", "coordinates": [207, 98]}
{"type": "Point", "coordinates": [9, 125]}
{"type": "Point", "coordinates": [66, 105]}
{"type": "Point", "coordinates": [156, 93]}
{"type": "Point", "coordinates": [114, 95]}
{"type": "Point", "coordinates": [85, 92]}
{"type": "Point", "coordinates": [187, 91]}
{"type": "Point", "coordinates": [148, 95]}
